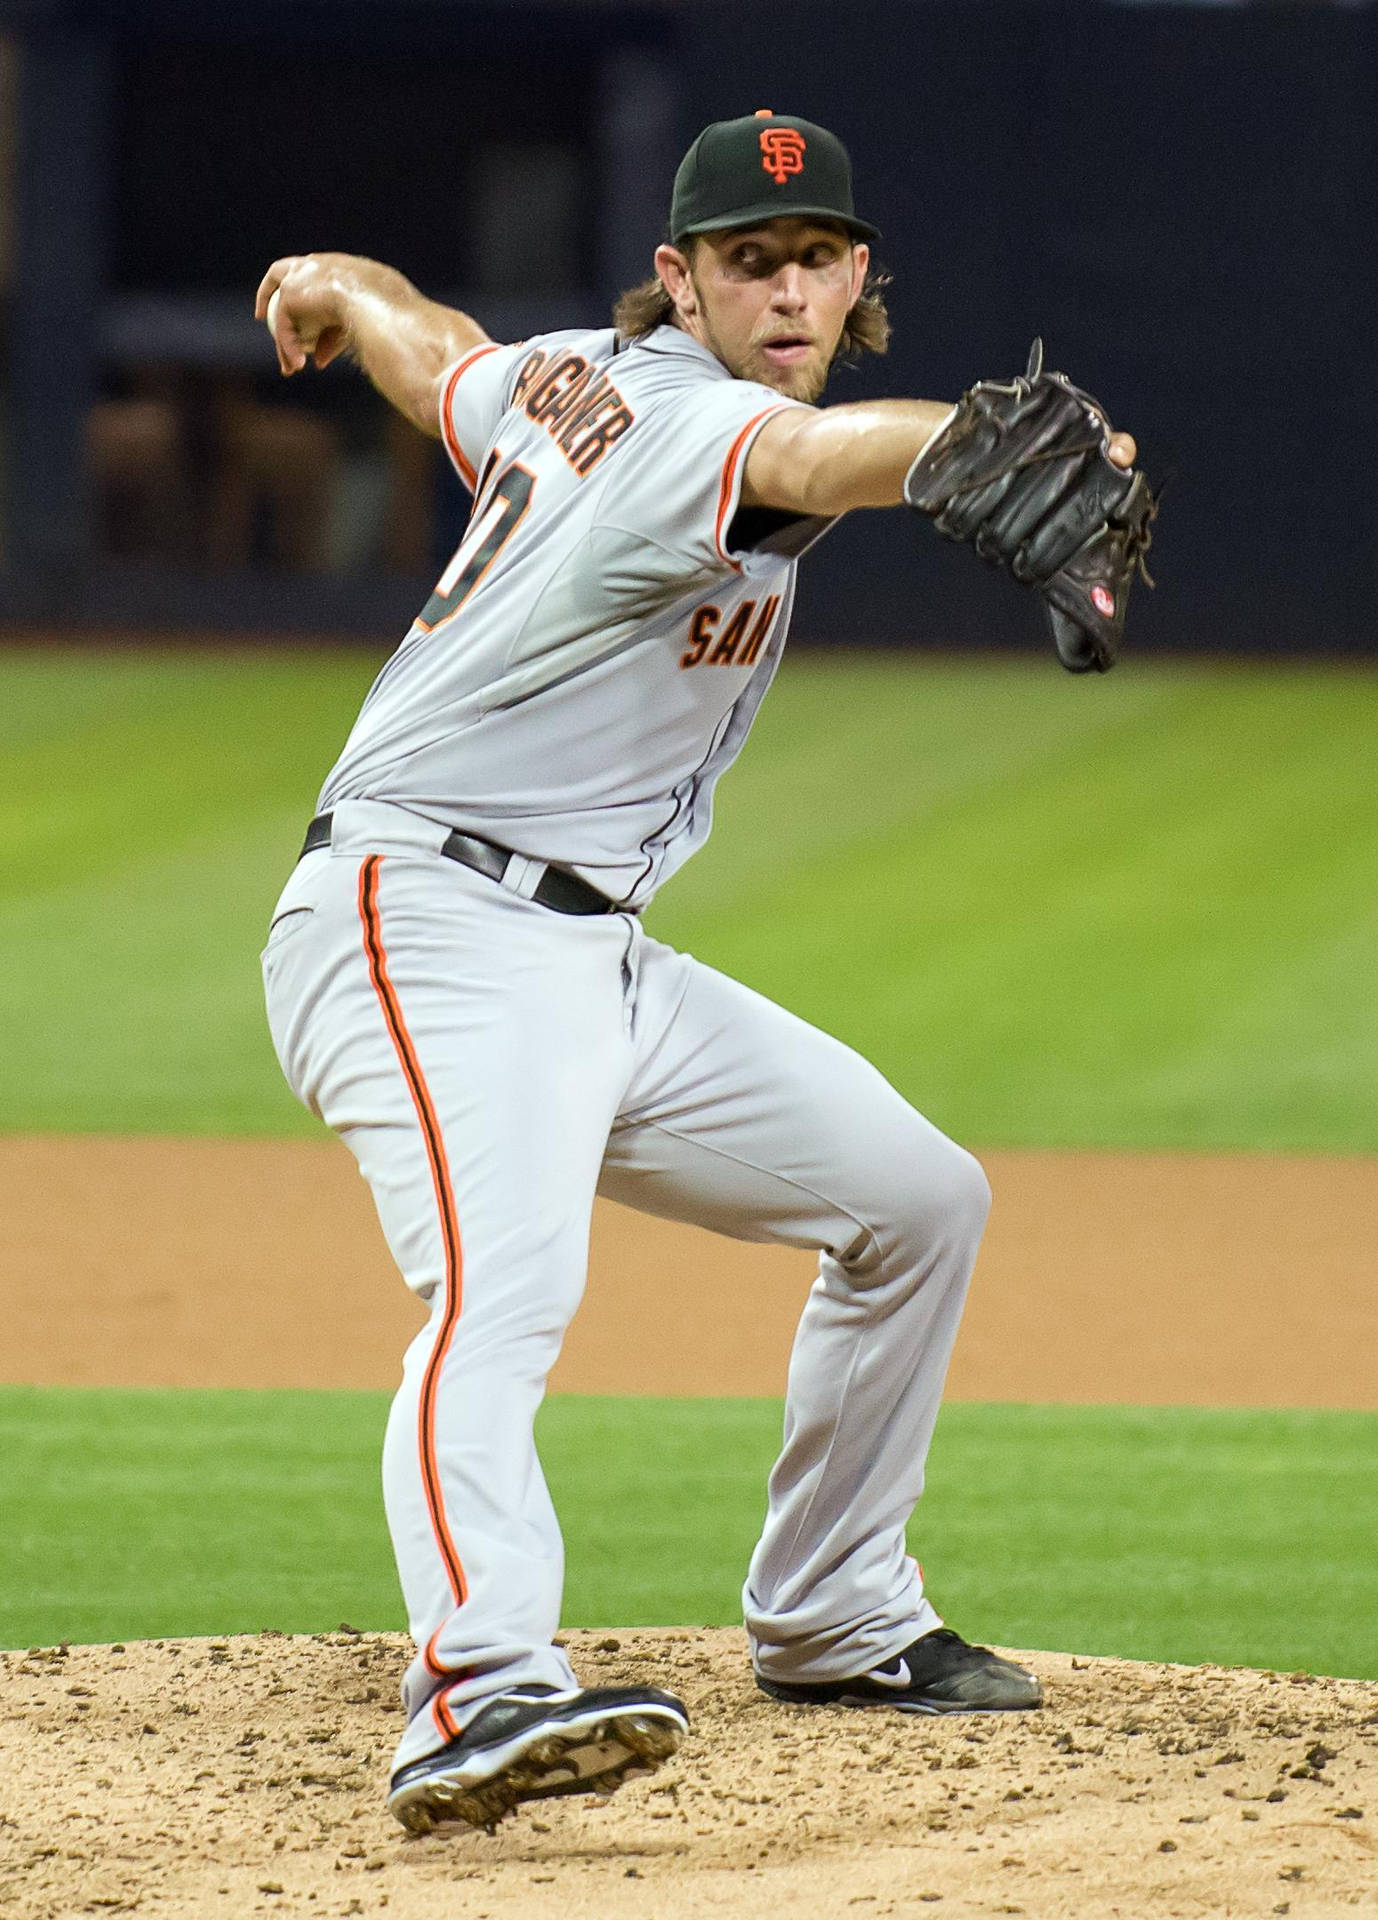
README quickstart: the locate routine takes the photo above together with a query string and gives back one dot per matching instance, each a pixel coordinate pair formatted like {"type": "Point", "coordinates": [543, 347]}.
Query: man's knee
{"type": "Point", "coordinates": [970, 1188]}
{"type": "Point", "coordinates": [940, 1198]}
{"type": "Point", "coordinates": [951, 1194]}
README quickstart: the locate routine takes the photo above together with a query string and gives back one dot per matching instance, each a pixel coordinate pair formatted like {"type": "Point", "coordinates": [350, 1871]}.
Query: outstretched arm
{"type": "Point", "coordinates": [830, 460]}
{"type": "Point", "coordinates": [333, 303]}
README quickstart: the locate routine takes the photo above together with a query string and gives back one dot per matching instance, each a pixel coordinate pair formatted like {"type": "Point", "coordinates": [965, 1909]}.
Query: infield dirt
{"type": "Point", "coordinates": [240, 1777]}
{"type": "Point", "coordinates": [1178, 1279]}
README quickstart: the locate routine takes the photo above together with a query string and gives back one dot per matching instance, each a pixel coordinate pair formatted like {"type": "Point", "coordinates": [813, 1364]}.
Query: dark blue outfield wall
{"type": "Point", "coordinates": [1182, 201]}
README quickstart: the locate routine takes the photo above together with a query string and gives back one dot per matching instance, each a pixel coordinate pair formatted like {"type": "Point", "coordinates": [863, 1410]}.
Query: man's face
{"type": "Point", "coordinates": [769, 301]}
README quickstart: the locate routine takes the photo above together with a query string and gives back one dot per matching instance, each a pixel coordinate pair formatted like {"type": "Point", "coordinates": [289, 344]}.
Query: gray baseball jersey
{"type": "Point", "coordinates": [595, 653]}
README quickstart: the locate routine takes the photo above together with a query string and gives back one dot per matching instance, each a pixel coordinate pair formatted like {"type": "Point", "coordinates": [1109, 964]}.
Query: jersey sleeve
{"type": "Point", "coordinates": [684, 486]}
{"type": "Point", "coordinates": [473, 398]}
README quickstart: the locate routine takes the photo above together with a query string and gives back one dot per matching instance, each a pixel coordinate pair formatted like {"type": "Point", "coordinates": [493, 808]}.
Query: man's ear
{"type": "Point", "coordinates": [673, 269]}
{"type": "Point", "coordinates": [861, 260]}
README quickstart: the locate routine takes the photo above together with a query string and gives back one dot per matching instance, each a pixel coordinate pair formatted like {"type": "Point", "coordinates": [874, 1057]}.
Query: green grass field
{"type": "Point", "coordinates": [1136, 911]}
{"type": "Point", "coordinates": [1226, 1536]}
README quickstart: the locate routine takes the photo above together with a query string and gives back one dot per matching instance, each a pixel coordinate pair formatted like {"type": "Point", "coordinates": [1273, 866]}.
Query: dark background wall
{"type": "Point", "coordinates": [1184, 203]}
{"type": "Point", "coordinates": [1180, 199]}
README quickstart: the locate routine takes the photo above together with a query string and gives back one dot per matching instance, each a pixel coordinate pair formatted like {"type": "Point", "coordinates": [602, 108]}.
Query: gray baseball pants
{"type": "Point", "coordinates": [492, 1064]}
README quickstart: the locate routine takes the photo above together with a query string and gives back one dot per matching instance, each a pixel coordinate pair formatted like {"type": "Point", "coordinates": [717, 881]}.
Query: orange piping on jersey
{"type": "Point", "coordinates": [466, 472]}
{"type": "Point", "coordinates": [729, 479]}
{"type": "Point", "coordinates": [449, 1225]}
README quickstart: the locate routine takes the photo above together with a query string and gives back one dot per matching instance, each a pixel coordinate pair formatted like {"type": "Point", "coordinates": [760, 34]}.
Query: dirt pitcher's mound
{"type": "Point", "coordinates": [191, 1778]}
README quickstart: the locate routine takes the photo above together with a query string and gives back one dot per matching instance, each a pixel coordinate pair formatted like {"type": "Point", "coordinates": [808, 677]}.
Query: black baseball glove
{"type": "Point", "coordinates": [1022, 472]}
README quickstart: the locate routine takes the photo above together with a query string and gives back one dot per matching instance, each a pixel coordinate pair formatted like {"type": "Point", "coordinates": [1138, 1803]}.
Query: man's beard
{"type": "Point", "coordinates": [804, 382]}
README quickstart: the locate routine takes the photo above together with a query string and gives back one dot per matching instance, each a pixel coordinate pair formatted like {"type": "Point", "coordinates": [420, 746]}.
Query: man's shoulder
{"type": "Point", "coordinates": [593, 343]}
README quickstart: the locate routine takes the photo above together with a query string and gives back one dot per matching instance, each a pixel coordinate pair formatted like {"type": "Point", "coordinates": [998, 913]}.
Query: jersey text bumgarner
{"type": "Point", "coordinates": [576, 403]}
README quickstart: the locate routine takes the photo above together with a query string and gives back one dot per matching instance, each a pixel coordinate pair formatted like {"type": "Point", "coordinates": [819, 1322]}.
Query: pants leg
{"type": "Point", "coordinates": [743, 1119]}
{"type": "Point", "coordinates": [471, 1049]}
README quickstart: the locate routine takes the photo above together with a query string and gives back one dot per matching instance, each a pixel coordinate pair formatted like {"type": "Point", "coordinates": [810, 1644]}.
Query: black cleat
{"type": "Point", "coordinates": [533, 1743]}
{"type": "Point", "coordinates": [939, 1673]}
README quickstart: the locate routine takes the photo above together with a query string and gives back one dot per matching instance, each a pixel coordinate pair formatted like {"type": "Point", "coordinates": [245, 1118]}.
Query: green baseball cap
{"type": "Point", "coordinates": [763, 167]}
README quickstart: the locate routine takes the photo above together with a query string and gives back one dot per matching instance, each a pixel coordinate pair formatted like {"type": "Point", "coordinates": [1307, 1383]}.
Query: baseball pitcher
{"type": "Point", "coordinates": [459, 983]}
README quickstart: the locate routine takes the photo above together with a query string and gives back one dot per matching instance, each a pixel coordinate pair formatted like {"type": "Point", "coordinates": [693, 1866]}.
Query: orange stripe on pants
{"type": "Point", "coordinates": [449, 1227]}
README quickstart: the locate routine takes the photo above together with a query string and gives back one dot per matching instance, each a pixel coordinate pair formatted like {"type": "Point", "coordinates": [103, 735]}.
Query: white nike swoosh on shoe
{"type": "Point", "coordinates": [894, 1674]}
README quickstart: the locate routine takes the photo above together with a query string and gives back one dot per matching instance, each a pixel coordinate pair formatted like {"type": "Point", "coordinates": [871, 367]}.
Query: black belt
{"type": "Point", "coordinates": [565, 892]}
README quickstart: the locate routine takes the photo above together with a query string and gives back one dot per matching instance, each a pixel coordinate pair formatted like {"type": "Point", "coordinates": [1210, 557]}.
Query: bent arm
{"type": "Point", "coordinates": [333, 303]}
{"type": "Point", "coordinates": [827, 462]}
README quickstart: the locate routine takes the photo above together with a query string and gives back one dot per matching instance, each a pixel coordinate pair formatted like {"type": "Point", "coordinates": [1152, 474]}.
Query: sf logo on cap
{"type": "Point", "coordinates": [782, 152]}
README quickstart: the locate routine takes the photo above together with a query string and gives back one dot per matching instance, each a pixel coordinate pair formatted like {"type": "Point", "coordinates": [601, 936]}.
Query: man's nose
{"type": "Point", "coordinates": [787, 289]}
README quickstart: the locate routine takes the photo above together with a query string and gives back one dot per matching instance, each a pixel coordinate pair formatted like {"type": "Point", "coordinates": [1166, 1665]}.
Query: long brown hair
{"type": "Point", "coordinates": [866, 329]}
